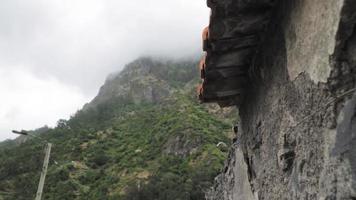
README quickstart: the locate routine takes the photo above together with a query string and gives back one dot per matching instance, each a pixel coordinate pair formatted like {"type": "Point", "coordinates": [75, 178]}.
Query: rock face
{"type": "Point", "coordinates": [297, 136]}
{"type": "Point", "coordinates": [144, 80]}
{"type": "Point", "coordinates": [182, 145]}
{"type": "Point", "coordinates": [230, 42]}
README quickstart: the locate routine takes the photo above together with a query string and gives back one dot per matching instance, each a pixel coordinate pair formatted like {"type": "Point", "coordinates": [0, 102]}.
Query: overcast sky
{"type": "Point", "coordinates": [55, 54]}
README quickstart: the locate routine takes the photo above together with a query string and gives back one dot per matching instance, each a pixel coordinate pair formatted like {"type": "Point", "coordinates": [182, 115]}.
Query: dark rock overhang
{"type": "Point", "coordinates": [230, 42]}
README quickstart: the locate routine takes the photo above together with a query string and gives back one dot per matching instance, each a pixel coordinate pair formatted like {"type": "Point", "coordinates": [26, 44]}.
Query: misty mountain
{"type": "Point", "coordinates": [144, 136]}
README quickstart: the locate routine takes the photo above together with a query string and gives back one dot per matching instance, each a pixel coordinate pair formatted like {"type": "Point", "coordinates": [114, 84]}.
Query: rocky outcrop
{"type": "Point", "coordinates": [230, 41]}
{"type": "Point", "coordinates": [145, 80]}
{"type": "Point", "coordinates": [182, 145]}
{"type": "Point", "coordinates": [297, 136]}
{"type": "Point", "coordinates": [232, 184]}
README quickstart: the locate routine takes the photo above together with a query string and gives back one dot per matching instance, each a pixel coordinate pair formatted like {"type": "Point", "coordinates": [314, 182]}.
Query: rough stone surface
{"type": "Point", "coordinates": [312, 30]}
{"type": "Point", "coordinates": [234, 183]}
{"type": "Point", "coordinates": [298, 122]}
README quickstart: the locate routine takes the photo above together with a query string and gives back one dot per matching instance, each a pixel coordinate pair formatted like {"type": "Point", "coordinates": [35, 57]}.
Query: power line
{"type": "Point", "coordinates": [322, 108]}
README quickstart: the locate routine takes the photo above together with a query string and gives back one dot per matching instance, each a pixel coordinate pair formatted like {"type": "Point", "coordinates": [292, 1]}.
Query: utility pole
{"type": "Point", "coordinates": [45, 162]}
{"type": "Point", "coordinates": [44, 172]}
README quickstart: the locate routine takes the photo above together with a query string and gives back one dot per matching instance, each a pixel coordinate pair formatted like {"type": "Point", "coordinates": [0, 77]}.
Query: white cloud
{"type": "Point", "coordinates": [66, 38]}
{"type": "Point", "coordinates": [28, 102]}
{"type": "Point", "coordinates": [64, 49]}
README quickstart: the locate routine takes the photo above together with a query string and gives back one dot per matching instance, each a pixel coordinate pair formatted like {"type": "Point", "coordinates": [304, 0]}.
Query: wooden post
{"type": "Point", "coordinates": [44, 172]}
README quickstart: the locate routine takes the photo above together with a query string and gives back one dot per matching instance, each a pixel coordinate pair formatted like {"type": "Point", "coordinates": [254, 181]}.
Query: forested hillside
{"type": "Point", "coordinates": [144, 136]}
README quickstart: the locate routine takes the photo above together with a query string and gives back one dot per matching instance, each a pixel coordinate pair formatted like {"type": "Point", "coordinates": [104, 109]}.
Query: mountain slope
{"type": "Point", "coordinates": [146, 80]}
{"type": "Point", "coordinates": [143, 137]}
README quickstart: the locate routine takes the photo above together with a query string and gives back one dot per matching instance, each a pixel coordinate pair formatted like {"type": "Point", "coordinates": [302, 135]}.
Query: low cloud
{"type": "Point", "coordinates": [54, 55]}
{"type": "Point", "coordinates": [28, 102]}
{"type": "Point", "coordinates": [81, 41]}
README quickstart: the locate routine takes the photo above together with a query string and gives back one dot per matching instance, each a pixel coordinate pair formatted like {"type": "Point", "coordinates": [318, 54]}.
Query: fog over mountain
{"type": "Point", "coordinates": [55, 54]}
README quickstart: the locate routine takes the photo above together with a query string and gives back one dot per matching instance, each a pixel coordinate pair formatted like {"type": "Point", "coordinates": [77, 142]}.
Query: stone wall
{"type": "Point", "coordinates": [297, 135]}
